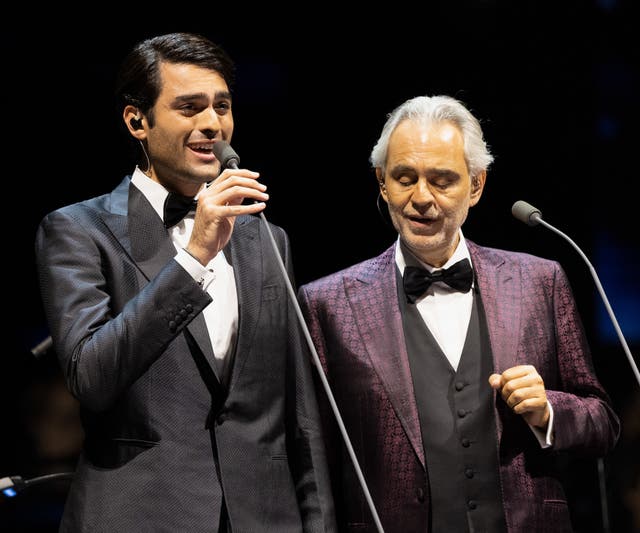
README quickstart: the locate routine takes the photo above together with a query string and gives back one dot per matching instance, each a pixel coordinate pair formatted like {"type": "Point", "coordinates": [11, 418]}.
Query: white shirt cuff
{"type": "Point", "coordinates": [545, 438]}
{"type": "Point", "coordinates": [202, 275]}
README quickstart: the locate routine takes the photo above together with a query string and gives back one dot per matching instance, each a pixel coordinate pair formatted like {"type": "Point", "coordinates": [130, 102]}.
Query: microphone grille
{"type": "Point", "coordinates": [226, 155]}
{"type": "Point", "coordinates": [526, 213]}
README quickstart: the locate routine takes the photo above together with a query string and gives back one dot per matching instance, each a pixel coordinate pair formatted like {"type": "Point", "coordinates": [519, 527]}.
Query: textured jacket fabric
{"type": "Point", "coordinates": [166, 437]}
{"type": "Point", "coordinates": [355, 322]}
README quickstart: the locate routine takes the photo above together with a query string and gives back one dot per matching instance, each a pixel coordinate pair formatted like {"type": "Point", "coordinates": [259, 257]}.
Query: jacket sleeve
{"type": "Point", "coordinates": [107, 321]}
{"type": "Point", "coordinates": [584, 418]}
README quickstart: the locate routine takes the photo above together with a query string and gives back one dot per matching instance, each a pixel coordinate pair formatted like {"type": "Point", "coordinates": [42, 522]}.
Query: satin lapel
{"type": "Point", "coordinates": [198, 329]}
{"type": "Point", "coordinates": [151, 246]}
{"type": "Point", "coordinates": [115, 216]}
{"type": "Point", "coordinates": [500, 290]}
{"type": "Point", "coordinates": [373, 299]}
{"type": "Point", "coordinates": [246, 259]}
{"type": "Point", "coordinates": [152, 249]}
{"type": "Point", "coordinates": [128, 218]}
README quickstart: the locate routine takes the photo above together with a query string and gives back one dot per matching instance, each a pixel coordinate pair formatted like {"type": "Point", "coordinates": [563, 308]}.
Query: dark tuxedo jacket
{"type": "Point", "coordinates": [355, 322]}
{"type": "Point", "coordinates": [166, 437]}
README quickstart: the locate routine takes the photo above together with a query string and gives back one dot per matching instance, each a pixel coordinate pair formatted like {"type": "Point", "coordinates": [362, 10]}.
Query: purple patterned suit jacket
{"type": "Point", "coordinates": [355, 323]}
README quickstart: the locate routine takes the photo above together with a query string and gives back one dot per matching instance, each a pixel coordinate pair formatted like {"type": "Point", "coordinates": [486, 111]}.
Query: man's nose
{"type": "Point", "coordinates": [421, 192]}
{"type": "Point", "coordinates": [209, 120]}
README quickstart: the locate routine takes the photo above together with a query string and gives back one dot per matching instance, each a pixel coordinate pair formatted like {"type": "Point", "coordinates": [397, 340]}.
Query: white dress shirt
{"type": "Point", "coordinates": [447, 313]}
{"type": "Point", "coordinates": [221, 315]}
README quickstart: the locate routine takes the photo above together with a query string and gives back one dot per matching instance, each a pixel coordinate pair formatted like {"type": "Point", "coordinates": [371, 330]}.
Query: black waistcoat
{"type": "Point", "coordinates": [457, 423]}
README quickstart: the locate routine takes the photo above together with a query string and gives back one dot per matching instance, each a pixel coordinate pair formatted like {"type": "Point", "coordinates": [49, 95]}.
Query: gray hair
{"type": "Point", "coordinates": [430, 109]}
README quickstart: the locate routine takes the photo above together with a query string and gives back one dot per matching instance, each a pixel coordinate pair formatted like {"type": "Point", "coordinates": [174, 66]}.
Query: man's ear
{"type": "Point", "coordinates": [133, 119]}
{"type": "Point", "coordinates": [381, 185]}
{"type": "Point", "coordinates": [477, 186]}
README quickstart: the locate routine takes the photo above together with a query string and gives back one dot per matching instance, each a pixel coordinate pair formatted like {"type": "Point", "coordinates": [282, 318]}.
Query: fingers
{"type": "Point", "coordinates": [521, 387]}
{"type": "Point", "coordinates": [218, 206]}
{"type": "Point", "coordinates": [232, 188]}
{"type": "Point", "coordinates": [523, 390]}
{"type": "Point", "coordinates": [526, 400]}
{"type": "Point", "coordinates": [499, 381]}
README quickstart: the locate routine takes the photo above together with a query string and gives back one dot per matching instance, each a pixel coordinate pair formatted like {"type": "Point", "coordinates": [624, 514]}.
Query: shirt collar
{"type": "Point", "coordinates": [152, 190]}
{"type": "Point", "coordinates": [404, 257]}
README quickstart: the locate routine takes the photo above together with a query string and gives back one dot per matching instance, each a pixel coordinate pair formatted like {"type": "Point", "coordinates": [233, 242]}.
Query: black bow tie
{"type": "Point", "coordinates": [417, 280]}
{"type": "Point", "coordinates": [176, 208]}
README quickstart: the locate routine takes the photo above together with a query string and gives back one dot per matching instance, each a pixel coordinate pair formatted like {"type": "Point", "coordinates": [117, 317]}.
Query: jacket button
{"type": "Point", "coordinates": [469, 472]}
{"type": "Point", "coordinates": [465, 442]}
{"type": "Point", "coordinates": [459, 385]}
{"type": "Point", "coordinates": [462, 413]}
{"type": "Point", "coordinates": [420, 494]}
{"type": "Point", "coordinates": [471, 504]}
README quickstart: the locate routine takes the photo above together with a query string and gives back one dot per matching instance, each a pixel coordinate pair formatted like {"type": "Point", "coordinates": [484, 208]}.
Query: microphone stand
{"type": "Point", "coordinates": [625, 347]}
{"type": "Point", "coordinates": [325, 383]}
{"type": "Point", "coordinates": [601, 467]}
{"type": "Point", "coordinates": [531, 216]}
{"type": "Point", "coordinates": [11, 486]}
{"type": "Point", "coordinates": [229, 159]}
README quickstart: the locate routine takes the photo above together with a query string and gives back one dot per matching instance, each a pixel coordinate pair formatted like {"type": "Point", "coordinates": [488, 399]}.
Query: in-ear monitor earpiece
{"type": "Point", "coordinates": [136, 123]}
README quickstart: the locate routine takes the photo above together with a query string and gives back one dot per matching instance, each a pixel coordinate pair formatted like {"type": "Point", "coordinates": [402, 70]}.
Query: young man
{"type": "Point", "coordinates": [175, 334]}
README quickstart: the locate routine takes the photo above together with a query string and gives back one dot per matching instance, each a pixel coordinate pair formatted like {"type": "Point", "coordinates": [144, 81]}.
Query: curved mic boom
{"type": "Point", "coordinates": [531, 216]}
{"type": "Point", "coordinates": [229, 159]}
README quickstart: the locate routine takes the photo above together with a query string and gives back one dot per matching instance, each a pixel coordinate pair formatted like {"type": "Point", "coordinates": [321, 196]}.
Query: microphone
{"type": "Point", "coordinates": [526, 213]}
{"type": "Point", "coordinates": [229, 159]}
{"type": "Point", "coordinates": [531, 216]}
{"type": "Point", "coordinates": [226, 155]}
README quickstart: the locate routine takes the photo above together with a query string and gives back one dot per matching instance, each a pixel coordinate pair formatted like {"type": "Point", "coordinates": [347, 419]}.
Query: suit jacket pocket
{"type": "Point", "coordinates": [556, 513]}
{"type": "Point", "coordinates": [114, 453]}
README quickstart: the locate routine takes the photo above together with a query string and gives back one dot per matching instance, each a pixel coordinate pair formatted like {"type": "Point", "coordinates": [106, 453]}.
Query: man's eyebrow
{"type": "Point", "coordinates": [435, 172]}
{"type": "Point", "coordinates": [223, 95]}
{"type": "Point", "coordinates": [398, 169]}
{"type": "Point", "coordinates": [220, 95]}
{"type": "Point", "coordinates": [443, 173]}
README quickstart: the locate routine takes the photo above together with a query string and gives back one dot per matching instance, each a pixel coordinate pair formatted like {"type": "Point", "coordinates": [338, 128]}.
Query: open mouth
{"type": "Point", "coordinates": [419, 224]}
{"type": "Point", "coordinates": [202, 148]}
{"type": "Point", "coordinates": [421, 220]}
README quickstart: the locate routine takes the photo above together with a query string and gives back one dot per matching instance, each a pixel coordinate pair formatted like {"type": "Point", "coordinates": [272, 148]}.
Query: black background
{"type": "Point", "coordinates": [554, 83]}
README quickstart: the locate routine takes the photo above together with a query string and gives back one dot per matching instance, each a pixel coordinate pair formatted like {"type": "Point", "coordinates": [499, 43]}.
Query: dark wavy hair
{"type": "Point", "coordinates": [138, 81]}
